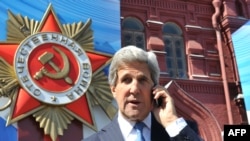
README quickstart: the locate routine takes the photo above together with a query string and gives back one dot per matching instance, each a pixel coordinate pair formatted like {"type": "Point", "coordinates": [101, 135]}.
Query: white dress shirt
{"type": "Point", "coordinates": [129, 133]}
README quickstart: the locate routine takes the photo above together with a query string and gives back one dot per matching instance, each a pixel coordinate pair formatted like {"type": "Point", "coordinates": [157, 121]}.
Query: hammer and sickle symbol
{"type": "Point", "coordinates": [60, 73]}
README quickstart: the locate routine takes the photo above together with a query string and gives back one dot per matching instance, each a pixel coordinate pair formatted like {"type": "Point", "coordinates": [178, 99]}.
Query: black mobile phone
{"type": "Point", "coordinates": [158, 101]}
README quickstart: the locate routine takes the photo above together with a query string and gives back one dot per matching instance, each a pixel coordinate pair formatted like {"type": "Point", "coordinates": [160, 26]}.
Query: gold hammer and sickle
{"type": "Point", "coordinates": [60, 73]}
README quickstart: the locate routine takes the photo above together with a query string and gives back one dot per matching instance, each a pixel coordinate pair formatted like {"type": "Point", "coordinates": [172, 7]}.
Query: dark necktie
{"type": "Point", "coordinates": [138, 127]}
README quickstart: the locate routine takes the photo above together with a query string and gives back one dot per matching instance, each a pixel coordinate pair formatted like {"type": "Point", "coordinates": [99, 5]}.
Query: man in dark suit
{"type": "Point", "coordinates": [133, 77]}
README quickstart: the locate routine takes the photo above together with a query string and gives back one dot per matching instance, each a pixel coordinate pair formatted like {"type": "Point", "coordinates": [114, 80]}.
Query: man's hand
{"type": "Point", "coordinates": [164, 113]}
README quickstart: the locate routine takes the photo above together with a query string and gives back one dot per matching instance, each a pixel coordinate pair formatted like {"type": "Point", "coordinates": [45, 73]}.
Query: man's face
{"type": "Point", "coordinates": [133, 90]}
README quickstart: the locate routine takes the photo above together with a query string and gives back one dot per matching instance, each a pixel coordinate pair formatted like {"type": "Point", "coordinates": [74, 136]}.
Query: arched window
{"type": "Point", "coordinates": [133, 32]}
{"type": "Point", "coordinates": [175, 51]}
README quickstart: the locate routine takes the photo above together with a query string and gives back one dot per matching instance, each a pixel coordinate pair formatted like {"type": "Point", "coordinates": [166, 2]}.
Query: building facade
{"type": "Point", "coordinates": [193, 43]}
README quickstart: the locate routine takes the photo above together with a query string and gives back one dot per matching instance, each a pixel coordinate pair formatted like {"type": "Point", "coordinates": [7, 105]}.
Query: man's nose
{"type": "Point", "coordinates": [134, 89]}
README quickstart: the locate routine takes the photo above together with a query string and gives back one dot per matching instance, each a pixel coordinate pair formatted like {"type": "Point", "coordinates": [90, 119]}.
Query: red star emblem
{"type": "Point", "coordinates": [80, 108]}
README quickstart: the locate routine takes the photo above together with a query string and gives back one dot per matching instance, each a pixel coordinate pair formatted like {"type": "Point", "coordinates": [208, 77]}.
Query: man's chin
{"type": "Point", "coordinates": [135, 115]}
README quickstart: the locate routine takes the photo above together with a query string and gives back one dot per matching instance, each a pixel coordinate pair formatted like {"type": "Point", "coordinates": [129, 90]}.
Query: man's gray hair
{"type": "Point", "coordinates": [130, 54]}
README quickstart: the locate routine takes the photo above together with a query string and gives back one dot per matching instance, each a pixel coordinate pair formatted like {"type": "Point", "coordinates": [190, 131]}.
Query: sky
{"type": "Point", "coordinates": [241, 44]}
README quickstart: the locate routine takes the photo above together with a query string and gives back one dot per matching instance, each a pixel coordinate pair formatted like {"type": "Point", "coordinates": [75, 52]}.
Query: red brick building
{"type": "Point", "coordinates": [193, 43]}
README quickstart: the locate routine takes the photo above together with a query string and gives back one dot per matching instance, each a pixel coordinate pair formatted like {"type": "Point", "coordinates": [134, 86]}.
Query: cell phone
{"type": "Point", "coordinates": [158, 101]}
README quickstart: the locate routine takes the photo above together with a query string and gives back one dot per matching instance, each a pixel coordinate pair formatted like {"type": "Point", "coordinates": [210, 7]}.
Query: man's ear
{"type": "Point", "coordinates": [112, 88]}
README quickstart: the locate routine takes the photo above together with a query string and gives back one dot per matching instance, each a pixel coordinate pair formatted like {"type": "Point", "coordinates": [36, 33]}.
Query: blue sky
{"type": "Point", "coordinates": [241, 44]}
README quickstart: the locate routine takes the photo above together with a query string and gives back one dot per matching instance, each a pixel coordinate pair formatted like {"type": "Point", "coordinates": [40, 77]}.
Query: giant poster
{"type": "Point", "coordinates": [54, 59]}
